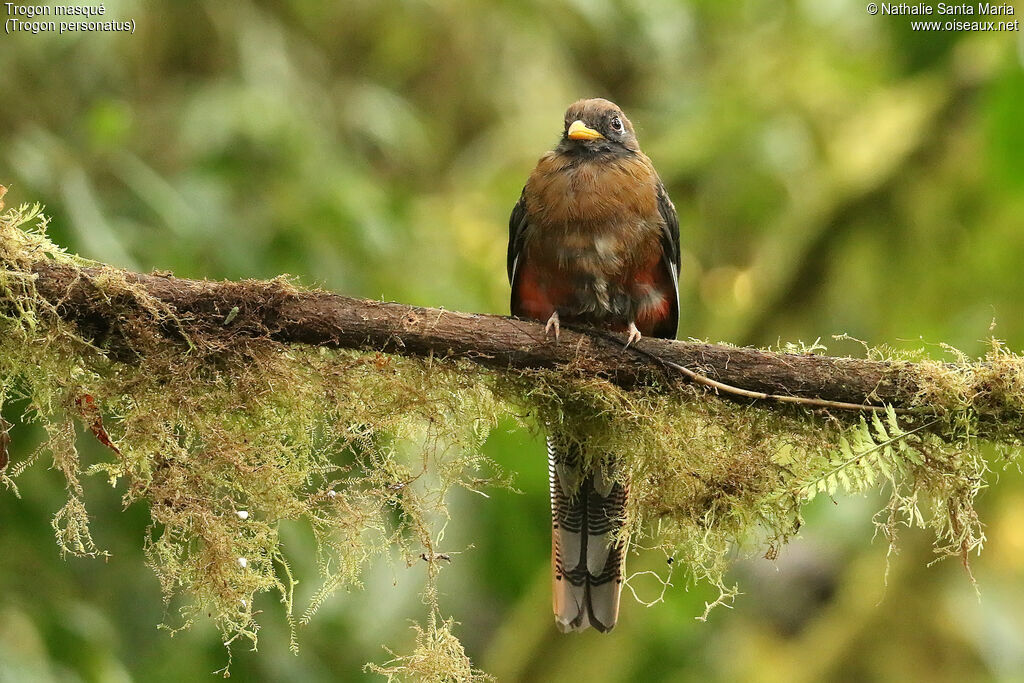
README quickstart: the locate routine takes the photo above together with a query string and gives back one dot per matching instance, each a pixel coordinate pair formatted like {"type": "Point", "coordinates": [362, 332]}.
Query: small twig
{"type": "Point", "coordinates": [746, 393]}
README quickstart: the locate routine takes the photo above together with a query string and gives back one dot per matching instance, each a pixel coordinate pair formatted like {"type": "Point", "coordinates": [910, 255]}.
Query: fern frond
{"type": "Point", "coordinates": [873, 452]}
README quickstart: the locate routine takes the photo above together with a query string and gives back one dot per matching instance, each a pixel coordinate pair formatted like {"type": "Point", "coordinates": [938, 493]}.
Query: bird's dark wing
{"type": "Point", "coordinates": [516, 235]}
{"type": "Point", "coordinates": [526, 300]}
{"type": "Point", "coordinates": [670, 259]}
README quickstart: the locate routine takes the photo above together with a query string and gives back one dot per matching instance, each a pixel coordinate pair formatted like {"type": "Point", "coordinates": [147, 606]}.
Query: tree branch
{"type": "Point", "coordinates": [280, 312]}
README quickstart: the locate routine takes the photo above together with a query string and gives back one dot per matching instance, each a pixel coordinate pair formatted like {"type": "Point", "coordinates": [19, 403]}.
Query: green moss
{"type": "Point", "coordinates": [437, 656]}
{"type": "Point", "coordinates": [364, 448]}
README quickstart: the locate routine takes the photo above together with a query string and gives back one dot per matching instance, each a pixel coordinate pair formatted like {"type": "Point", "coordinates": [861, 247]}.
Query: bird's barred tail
{"type": "Point", "coordinates": [587, 548]}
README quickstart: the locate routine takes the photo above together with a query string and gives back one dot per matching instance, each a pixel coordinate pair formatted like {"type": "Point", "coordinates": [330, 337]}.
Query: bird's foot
{"type": "Point", "coordinates": [553, 324]}
{"type": "Point", "coordinates": [634, 336]}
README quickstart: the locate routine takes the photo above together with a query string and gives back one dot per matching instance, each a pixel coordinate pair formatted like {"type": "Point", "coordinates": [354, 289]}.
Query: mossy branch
{"type": "Point", "coordinates": [277, 310]}
{"type": "Point", "coordinates": [229, 407]}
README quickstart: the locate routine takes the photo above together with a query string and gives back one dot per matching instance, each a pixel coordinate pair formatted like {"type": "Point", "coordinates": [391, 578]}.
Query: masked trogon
{"type": "Point", "coordinates": [593, 240]}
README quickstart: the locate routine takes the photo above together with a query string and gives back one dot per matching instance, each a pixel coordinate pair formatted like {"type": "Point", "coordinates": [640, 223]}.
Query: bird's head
{"type": "Point", "coordinates": [597, 126]}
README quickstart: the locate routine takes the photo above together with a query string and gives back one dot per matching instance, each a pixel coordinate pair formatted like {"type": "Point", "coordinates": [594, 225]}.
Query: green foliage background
{"type": "Point", "coordinates": [834, 173]}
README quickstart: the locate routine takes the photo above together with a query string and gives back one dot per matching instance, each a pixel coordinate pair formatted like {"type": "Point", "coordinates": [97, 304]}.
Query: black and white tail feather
{"type": "Point", "coordinates": [587, 546]}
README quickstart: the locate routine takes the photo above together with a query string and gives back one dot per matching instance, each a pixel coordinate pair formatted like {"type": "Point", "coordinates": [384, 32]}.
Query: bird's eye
{"type": "Point", "coordinates": [617, 124]}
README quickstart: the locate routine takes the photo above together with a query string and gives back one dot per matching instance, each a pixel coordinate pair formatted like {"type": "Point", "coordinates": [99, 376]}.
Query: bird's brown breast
{"type": "Point", "coordinates": [596, 218]}
{"type": "Point", "coordinates": [593, 244]}
{"type": "Point", "coordinates": [564, 190]}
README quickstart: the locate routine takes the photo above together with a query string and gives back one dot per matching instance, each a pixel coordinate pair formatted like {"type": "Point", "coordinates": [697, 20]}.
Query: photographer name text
{"type": "Point", "coordinates": [963, 10]}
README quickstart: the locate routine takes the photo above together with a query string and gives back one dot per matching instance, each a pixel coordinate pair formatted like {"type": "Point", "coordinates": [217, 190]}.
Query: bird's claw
{"type": "Point", "coordinates": [553, 324]}
{"type": "Point", "coordinates": [634, 336]}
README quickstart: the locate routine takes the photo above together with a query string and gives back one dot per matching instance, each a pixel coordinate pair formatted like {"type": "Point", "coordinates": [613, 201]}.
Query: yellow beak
{"type": "Point", "coordinates": [579, 131]}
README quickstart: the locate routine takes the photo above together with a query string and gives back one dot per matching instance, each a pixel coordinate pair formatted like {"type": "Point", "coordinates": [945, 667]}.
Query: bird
{"type": "Point", "coordinates": [594, 241]}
